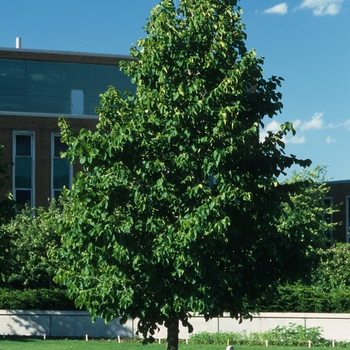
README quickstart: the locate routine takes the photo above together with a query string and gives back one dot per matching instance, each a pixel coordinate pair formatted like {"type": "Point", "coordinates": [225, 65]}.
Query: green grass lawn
{"type": "Point", "coordinates": [34, 344]}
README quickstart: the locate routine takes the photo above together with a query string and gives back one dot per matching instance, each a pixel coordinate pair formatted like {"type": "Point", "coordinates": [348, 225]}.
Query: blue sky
{"type": "Point", "coordinates": [307, 42]}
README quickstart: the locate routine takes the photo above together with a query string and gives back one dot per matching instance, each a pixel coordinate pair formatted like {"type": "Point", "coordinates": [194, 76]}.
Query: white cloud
{"type": "Point", "coordinates": [302, 127]}
{"type": "Point", "coordinates": [346, 124]}
{"type": "Point", "coordinates": [296, 123]}
{"type": "Point", "coordinates": [323, 7]}
{"type": "Point", "coordinates": [297, 139]}
{"type": "Point", "coordinates": [280, 9]}
{"type": "Point", "coordinates": [343, 125]}
{"type": "Point", "coordinates": [329, 139]}
{"type": "Point", "coordinates": [316, 122]}
{"type": "Point", "coordinates": [273, 126]}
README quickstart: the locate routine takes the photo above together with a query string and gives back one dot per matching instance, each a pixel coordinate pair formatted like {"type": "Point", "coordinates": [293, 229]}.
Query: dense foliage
{"type": "Point", "coordinates": [291, 334]}
{"type": "Point", "coordinates": [35, 299]}
{"type": "Point", "coordinates": [328, 289]}
{"type": "Point", "coordinates": [307, 210]}
{"type": "Point", "coordinates": [303, 298]}
{"type": "Point", "coordinates": [333, 274]}
{"type": "Point", "coordinates": [32, 242]}
{"type": "Point", "coordinates": [178, 204]}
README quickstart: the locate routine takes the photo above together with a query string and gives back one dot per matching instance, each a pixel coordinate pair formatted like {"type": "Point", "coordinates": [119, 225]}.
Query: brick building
{"type": "Point", "coordinates": [36, 87]}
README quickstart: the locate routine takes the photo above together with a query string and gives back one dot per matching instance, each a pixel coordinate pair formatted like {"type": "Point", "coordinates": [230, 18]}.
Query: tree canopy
{"type": "Point", "coordinates": [308, 209]}
{"type": "Point", "coordinates": [176, 210]}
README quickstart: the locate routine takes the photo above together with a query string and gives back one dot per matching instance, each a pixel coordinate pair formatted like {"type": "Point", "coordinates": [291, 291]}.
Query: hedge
{"type": "Point", "coordinates": [299, 298]}
{"type": "Point", "coordinates": [293, 298]}
{"type": "Point", "coordinates": [35, 299]}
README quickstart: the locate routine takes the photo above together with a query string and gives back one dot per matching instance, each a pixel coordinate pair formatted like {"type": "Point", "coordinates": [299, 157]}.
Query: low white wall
{"type": "Point", "coordinates": [78, 324]}
{"type": "Point", "coordinates": [61, 324]}
{"type": "Point", "coordinates": [334, 326]}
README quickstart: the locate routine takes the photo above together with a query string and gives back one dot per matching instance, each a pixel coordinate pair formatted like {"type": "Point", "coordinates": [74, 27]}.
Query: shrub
{"type": "Point", "coordinates": [292, 335]}
{"type": "Point", "coordinates": [300, 298]}
{"type": "Point", "coordinates": [32, 243]}
{"type": "Point", "coordinates": [35, 299]}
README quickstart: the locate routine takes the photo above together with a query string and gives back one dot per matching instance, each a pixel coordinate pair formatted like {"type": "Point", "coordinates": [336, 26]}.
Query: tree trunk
{"type": "Point", "coordinates": [173, 334]}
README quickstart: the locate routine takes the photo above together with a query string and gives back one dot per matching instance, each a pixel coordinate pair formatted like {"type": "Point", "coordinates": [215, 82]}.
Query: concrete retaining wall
{"type": "Point", "coordinates": [78, 324]}
{"type": "Point", "coordinates": [60, 324]}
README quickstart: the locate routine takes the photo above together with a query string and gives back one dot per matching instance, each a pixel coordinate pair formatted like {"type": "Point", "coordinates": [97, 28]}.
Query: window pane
{"type": "Point", "coordinates": [59, 146]}
{"type": "Point", "coordinates": [23, 171]}
{"type": "Point", "coordinates": [23, 197]}
{"type": "Point", "coordinates": [77, 102]}
{"type": "Point", "coordinates": [23, 145]}
{"type": "Point", "coordinates": [57, 194]}
{"type": "Point", "coordinates": [60, 173]}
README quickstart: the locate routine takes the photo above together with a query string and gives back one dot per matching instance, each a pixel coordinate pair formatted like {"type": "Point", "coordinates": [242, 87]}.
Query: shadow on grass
{"type": "Point", "coordinates": [20, 338]}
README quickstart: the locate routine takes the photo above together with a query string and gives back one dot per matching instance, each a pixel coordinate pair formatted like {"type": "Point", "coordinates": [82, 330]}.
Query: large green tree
{"type": "Point", "coordinates": [176, 209]}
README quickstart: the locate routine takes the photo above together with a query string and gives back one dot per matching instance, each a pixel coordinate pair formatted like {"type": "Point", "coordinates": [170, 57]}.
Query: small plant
{"type": "Point", "coordinates": [290, 335]}
{"type": "Point", "coordinates": [294, 335]}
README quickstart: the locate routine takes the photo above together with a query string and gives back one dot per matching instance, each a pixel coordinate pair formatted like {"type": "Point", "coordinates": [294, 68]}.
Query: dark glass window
{"type": "Point", "coordinates": [59, 146]}
{"type": "Point", "coordinates": [23, 145]}
{"type": "Point", "coordinates": [23, 197]}
{"type": "Point", "coordinates": [46, 87]}
{"type": "Point", "coordinates": [23, 169]}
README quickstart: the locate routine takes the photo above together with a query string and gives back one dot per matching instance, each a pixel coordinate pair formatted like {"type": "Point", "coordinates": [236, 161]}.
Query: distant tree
{"type": "Point", "coordinates": [7, 212]}
{"type": "Point", "coordinates": [176, 211]}
{"type": "Point", "coordinates": [308, 211]}
{"type": "Point", "coordinates": [33, 242]}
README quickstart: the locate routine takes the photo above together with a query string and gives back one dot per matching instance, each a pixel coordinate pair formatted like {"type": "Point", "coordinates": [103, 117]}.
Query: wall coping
{"type": "Point", "coordinates": [47, 115]}
{"type": "Point", "coordinates": [286, 315]}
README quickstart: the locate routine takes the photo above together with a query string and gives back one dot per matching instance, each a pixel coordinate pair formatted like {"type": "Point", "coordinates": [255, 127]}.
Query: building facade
{"type": "Point", "coordinates": [36, 88]}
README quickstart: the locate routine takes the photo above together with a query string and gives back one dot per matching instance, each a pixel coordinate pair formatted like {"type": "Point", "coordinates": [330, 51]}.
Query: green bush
{"type": "Point", "coordinates": [291, 335]}
{"type": "Point", "coordinates": [300, 298]}
{"type": "Point", "coordinates": [333, 273]}
{"type": "Point", "coordinates": [328, 289]}
{"type": "Point", "coordinates": [32, 243]}
{"type": "Point", "coordinates": [35, 299]}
